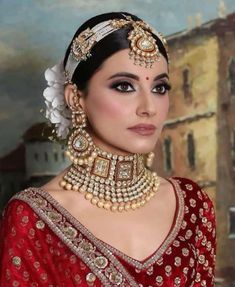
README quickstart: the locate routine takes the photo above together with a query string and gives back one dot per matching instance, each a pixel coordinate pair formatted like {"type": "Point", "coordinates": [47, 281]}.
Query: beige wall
{"type": "Point", "coordinates": [200, 54]}
{"type": "Point", "coordinates": [199, 116]}
{"type": "Point", "coordinates": [204, 131]}
{"type": "Point", "coordinates": [226, 173]}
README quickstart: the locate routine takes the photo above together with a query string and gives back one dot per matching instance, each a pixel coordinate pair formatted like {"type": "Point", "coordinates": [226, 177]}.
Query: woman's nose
{"type": "Point", "coordinates": [147, 105]}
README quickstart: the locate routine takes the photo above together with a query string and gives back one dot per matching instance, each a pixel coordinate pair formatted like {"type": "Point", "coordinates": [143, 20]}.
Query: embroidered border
{"type": "Point", "coordinates": [107, 268]}
{"type": "Point", "coordinates": [63, 223]}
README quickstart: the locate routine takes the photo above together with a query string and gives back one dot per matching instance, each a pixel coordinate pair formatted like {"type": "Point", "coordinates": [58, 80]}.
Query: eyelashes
{"type": "Point", "coordinates": [126, 87]}
{"type": "Point", "coordinates": [162, 88]}
{"type": "Point", "coordinates": [123, 87]}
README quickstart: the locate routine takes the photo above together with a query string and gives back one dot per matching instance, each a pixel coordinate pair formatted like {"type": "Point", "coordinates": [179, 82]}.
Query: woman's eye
{"type": "Point", "coordinates": [162, 89]}
{"type": "Point", "coordinates": [123, 87]}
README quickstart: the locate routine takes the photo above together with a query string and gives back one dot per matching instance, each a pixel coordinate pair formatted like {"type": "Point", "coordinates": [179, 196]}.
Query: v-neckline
{"type": "Point", "coordinates": [170, 237]}
{"type": "Point", "coordinates": [141, 262]}
{"type": "Point", "coordinates": [107, 248]}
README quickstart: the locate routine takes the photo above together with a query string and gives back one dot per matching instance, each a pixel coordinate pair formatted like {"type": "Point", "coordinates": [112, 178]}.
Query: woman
{"type": "Point", "coordinates": [108, 220]}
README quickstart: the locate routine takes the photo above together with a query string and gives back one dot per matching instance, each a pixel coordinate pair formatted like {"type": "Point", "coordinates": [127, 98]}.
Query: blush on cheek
{"type": "Point", "coordinates": [164, 104]}
{"type": "Point", "coordinates": [109, 108]}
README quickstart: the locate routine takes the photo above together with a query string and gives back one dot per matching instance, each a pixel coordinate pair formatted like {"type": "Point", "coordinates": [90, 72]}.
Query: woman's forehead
{"type": "Point", "coordinates": [121, 62]}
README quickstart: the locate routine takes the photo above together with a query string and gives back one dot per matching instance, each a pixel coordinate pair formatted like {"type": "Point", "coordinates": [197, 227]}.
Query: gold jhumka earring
{"type": "Point", "coordinates": [80, 145]}
{"type": "Point", "coordinates": [149, 159]}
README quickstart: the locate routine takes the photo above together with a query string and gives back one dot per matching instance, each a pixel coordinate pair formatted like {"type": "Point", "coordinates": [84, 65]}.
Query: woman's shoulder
{"type": "Point", "coordinates": [187, 183]}
{"type": "Point", "coordinates": [194, 194]}
{"type": "Point", "coordinates": [34, 193]}
{"type": "Point", "coordinates": [23, 195]}
{"type": "Point", "coordinates": [19, 218]}
{"type": "Point", "coordinates": [198, 204]}
{"type": "Point", "coordinates": [19, 204]}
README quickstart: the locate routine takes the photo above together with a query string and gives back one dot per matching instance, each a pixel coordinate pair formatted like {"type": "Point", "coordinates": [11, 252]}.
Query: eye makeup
{"type": "Point", "coordinates": [122, 86]}
{"type": "Point", "coordinates": [162, 88]}
{"type": "Point", "coordinates": [126, 83]}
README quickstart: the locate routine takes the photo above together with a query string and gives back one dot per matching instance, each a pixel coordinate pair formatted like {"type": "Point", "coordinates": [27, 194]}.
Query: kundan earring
{"type": "Point", "coordinates": [149, 159]}
{"type": "Point", "coordinates": [81, 149]}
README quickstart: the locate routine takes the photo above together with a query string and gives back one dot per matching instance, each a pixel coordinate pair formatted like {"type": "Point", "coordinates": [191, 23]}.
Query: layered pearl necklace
{"type": "Point", "coordinates": [113, 182]}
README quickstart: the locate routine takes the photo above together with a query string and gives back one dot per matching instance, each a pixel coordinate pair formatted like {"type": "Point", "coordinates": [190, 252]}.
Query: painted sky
{"type": "Point", "coordinates": [34, 35]}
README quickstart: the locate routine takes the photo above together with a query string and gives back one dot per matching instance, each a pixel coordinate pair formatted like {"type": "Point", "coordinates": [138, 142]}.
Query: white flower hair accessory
{"type": "Point", "coordinates": [56, 109]}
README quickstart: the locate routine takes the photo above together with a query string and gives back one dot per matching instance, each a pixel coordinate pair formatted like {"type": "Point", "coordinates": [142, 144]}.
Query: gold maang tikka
{"type": "Point", "coordinates": [143, 48]}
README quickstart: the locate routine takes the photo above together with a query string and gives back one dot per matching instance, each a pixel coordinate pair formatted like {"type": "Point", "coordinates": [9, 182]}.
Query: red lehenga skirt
{"type": "Point", "coordinates": [42, 244]}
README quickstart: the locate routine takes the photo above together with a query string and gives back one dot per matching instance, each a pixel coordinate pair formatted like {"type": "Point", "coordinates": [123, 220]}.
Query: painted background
{"type": "Point", "coordinates": [35, 34]}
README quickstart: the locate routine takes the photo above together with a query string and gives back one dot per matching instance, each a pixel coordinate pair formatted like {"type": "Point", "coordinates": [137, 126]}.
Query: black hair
{"type": "Point", "coordinates": [103, 49]}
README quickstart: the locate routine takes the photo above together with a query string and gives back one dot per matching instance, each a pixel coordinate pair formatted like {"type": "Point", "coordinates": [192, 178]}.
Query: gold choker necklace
{"type": "Point", "coordinates": [113, 182]}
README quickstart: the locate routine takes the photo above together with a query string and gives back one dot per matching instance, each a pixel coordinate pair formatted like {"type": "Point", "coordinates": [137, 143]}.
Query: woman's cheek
{"type": "Point", "coordinates": [107, 108]}
{"type": "Point", "coordinates": [163, 107]}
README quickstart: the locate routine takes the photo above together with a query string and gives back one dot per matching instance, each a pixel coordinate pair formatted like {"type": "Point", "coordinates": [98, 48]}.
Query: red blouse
{"type": "Point", "coordinates": [42, 244]}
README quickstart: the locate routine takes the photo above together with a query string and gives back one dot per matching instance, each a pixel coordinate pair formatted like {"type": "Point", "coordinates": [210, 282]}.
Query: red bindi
{"type": "Point", "coordinates": [147, 78]}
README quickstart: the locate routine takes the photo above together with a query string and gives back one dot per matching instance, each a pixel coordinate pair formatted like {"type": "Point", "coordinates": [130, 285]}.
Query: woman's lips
{"type": "Point", "coordinates": [143, 129]}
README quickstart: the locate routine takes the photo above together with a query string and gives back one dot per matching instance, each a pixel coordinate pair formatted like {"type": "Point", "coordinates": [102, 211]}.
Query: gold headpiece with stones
{"type": "Point", "coordinates": [143, 47]}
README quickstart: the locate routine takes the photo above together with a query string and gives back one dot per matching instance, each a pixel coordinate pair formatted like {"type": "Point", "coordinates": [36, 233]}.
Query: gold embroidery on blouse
{"type": "Point", "coordinates": [114, 276]}
{"type": "Point", "coordinates": [16, 260]}
{"type": "Point", "coordinates": [19, 209]}
{"type": "Point", "coordinates": [90, 278]}
{"type": "Point", "coordinates": [98, 255]}
{"type": "Point", "coordinates": [159, 280]}
{"type": "Point", "coordinates": [177, 261]}
{"type": "Point", "coordinates": [168, 270]}
{"type": "Point", "coordinates": [71, 232]}
{"type": "Point", "coordinates": [150, 271]}
{"type": "Point", "coordinates": [177, 282]}
{"type": "Point", "coordinates": [107, 268]}
{"type": "Point", "coordinates": [101, 262]}
{"type": "Point", "coordinates": [40, 224]}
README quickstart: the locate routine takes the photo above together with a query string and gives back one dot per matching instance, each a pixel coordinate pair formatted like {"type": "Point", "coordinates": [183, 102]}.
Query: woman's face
{"type": "Point", "coordinates": [127, 104]}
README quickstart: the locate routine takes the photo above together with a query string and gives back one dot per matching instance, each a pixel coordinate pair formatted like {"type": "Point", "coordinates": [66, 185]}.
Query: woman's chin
{"type": "Point", "coordinates": [143, 149]}
{"type": "Point", "coordinates": [129, 147]}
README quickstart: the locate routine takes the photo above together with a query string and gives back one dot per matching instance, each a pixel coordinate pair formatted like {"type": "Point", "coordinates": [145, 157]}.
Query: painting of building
{"type": "Point", "coordinates": [198, 140]}
{"type": "Point", "coordinates": [33, 163]}
{"type": "Point", "coordinates": [12, 174]}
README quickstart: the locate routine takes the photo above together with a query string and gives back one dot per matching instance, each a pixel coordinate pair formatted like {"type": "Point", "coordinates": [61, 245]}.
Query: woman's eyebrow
{"type": "Point", "coordinates": [124, 74]}
{"type": "Point", "coordinates": [135, 77]}
{"type": "Point", "coordinates": [160, 76]}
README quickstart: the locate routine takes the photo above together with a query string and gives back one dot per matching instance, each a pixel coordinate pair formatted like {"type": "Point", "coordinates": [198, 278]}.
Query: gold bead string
{"type": "Point", "coordinates": [109, 190]}
{"type": "Point", "coordinates": [116, 206]}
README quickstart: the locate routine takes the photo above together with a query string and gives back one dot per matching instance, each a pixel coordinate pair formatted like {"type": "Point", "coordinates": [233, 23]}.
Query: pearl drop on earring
{"type": "Point", "coordinates": [149, 160]}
